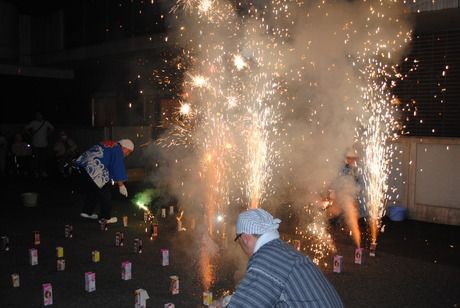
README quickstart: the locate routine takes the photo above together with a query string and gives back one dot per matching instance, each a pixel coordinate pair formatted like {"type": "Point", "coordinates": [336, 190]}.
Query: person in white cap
{"type": "Point", "coordinates": [350, 170]}
{"type": "Point", "coordinates": [100, 166]}
{"type": "Point", "coordinates": [277, 275]}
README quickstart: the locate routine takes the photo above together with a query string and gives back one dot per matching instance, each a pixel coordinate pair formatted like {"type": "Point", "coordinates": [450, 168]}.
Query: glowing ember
{"type": "Point", "coordinates": [199, 81]}
{"type": "Point", "coordinates": [239, 62]}
{"type": "Point", "coordinates": [143, 207]}
{"type": "Point", "coordinates": [185, 109]}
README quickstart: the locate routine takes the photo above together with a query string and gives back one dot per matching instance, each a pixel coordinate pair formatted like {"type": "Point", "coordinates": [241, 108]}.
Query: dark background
{"type": "Point", "coordinates": [59, 56]}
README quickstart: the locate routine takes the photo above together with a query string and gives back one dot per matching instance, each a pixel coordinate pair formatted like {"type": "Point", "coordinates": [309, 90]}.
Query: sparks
{"type": "Point", "coordinates": [239, 62]}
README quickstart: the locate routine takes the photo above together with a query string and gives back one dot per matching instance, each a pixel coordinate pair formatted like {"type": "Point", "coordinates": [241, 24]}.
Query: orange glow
{"type": "Point", "coordinates": [206, 270]}
{"type": "Point", "coordinates": [373, 224]}
{"type": "Point", "coordinates": [254, 202]}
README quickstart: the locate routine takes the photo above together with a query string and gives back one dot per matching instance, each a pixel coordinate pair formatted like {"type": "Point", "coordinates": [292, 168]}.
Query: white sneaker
{"type": "Point", "coordinates": [92, 216]}
{"type": "Point", "coordinates": [110, 221]}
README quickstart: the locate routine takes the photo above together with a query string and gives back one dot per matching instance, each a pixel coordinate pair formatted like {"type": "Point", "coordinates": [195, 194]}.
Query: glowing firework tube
{"type": "Point", "coordinates": [90, 282]}
{"type": "Point", "coordinates": [47, 294]}
{"type": "Point", "coordinates": [338, 263]}
{"type": "Point", "coordinates": [15, 282]}
{"type": "Point", "coordinates": [140, 298]}
{"type": "Point", "coordinates": [163, 213]}
{"type": "Point", "coordinates": [59, 252]}
{"type": "Point", "coordinates": [153, 231]}
{"type": "Point", "coordinates": [372, 249]}
{"type": "Point", "coordinates": [60, 265]}
{"type": "Point", "coordinates": [207, 298]}
{"type": "Point", "coordinates": [33, 256]}
{"type": "Point", "coordinates": [358, 255]}
{"type": "Point", "coordinates": [126, 267]}
{"type": "Point", "coordinates": [125, 221]}
{"type": "Point", "coordinates": [171, 210]}
{"type": "Point", "coordinates": [174, 284]}
{"type": "Point", "coordinates": [95, 256]}
{"type": "Point", "coordinates": [36, 238]}
{"type": "Point", "coordinates": [68, 231]}
{"type": "Point", "coordinates": [164, 257]}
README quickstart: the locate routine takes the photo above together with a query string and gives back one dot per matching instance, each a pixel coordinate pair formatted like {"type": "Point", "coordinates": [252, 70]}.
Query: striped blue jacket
{"type": "Point", "coordinates": [279, 276]}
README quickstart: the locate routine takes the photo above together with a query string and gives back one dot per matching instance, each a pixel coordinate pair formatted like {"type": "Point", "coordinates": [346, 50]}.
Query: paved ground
{"type": "Point", "coordinates": [417, 264]}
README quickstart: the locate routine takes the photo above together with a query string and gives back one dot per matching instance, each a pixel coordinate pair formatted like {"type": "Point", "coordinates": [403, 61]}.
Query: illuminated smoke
{"type": "Point", "coordinates": [279, 90]}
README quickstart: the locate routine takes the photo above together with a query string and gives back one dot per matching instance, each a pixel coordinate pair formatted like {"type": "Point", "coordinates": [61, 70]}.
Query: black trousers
{"type": "Point", "coordinates": [92, 195]}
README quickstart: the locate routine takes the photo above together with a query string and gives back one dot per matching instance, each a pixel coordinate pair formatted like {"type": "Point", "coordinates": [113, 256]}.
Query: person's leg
{"type": "Point", "coordinates": [89, 193]}
{"type": "Point", "coordinates": [105, 199]}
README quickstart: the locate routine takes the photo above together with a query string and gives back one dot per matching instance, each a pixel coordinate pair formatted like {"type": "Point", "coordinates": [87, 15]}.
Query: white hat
{"type": "Point", "coordinates": [256, 221]}
{"type": "Point", "coordinates": [126, 143]}
{"type": "Point", "coordinates": [352, 153]}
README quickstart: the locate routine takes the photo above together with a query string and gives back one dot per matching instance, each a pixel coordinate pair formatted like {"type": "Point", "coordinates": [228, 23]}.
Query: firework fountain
{"type": "Point", "coordinates": [265, 84]}
{"type": "Point", "coordinates": [378, 64]}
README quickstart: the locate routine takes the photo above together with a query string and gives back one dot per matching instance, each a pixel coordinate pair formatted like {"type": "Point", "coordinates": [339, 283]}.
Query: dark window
{"type": "Point", "coordinates": [430, 96]}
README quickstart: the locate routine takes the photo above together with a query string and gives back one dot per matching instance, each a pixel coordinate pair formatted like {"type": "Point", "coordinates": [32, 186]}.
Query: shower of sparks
{"type": "Point", "coordinates": [246, 74]}
{"type": "Point", "coordinates": [320, 243]}
{"type": "Point", "coordinates": [202, 6]}
{"type": "Point", "coordinates": [378, 119]}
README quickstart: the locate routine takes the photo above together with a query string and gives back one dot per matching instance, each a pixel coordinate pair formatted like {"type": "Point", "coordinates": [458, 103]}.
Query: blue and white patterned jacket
{"type": "Point", "coordinates": [104, 162]}
{"type": "Point", "coordinates": [279, 276]}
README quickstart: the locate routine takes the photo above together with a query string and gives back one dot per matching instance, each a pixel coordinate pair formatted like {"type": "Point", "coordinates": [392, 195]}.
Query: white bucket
{"type": "Point", "coordinates": [29, 199]}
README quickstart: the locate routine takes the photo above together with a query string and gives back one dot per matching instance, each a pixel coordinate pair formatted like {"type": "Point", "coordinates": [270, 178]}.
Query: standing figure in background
{"type": "Point", "coordinates": [65, 150]}
{"type": "Point", "coordinates": [39, 130]}
{"type": "Point", "coordinates": [99, 166]}
{"type": "Point", "coordinates": [22, 156]}
{"type": "Point", "coordinates": [351, 169]}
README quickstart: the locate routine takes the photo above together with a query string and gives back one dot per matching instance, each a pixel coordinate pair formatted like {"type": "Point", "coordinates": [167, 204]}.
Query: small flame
{"type": "Point", "coordinates": [239, 62]}
{"type": "Point", "coordinates": [143, 207]}
{"type": "Point", "coordinates": [185, 109]}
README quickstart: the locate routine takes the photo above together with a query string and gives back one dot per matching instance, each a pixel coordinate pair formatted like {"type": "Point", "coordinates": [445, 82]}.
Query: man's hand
{"type": "Point", "coordinates": [122, 189]}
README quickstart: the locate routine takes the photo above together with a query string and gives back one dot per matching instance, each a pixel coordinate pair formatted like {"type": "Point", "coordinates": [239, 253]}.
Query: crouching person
{"type": "Point", "coordinates": [277, 275]}
{"type": "Point", "coordinates": [100, 166]}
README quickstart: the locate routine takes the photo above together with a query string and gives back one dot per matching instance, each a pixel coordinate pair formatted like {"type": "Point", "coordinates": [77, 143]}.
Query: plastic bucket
{"type": "Point", "coordinates": [29, 199]}
{"type": "Point", "coordinates": [396, 213]}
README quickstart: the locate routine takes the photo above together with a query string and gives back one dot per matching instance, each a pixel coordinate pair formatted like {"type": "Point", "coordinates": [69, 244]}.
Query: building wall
{"type": "Point", "coordinates": [426, 175]}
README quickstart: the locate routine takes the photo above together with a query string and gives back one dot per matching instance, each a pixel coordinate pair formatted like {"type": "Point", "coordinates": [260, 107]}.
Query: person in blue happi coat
{"type": "Point", "coordinates": [101, 167]}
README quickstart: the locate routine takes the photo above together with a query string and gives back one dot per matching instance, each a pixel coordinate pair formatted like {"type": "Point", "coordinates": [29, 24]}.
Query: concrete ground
{"type": "Point", "coordinates": [417, 264]}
